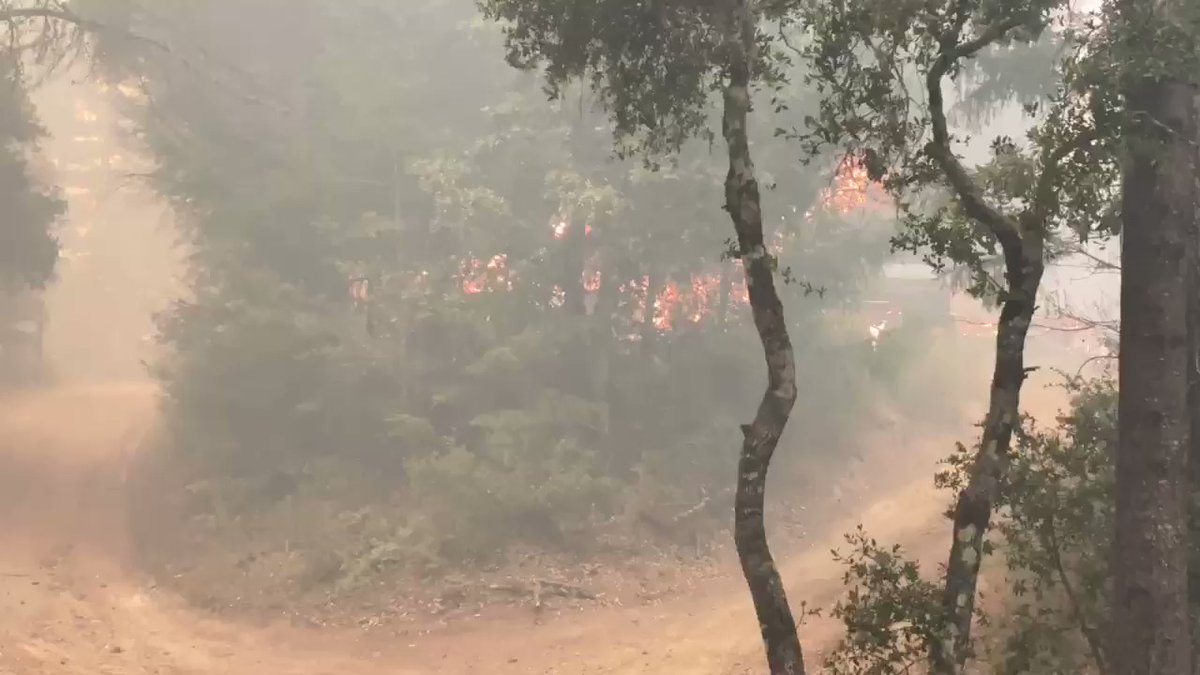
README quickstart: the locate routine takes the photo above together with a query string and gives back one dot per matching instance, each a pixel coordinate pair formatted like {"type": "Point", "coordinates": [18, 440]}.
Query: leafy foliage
{"type": "Point", "coordinates": [891, 614]}
{"type": "Point", "coordinates": [1053, 531]}
{"type": "Point", "coordinates": [878, 71]}
{"type": "Point", "coordinates": [28, 248]}
{"type": "Point", "coordinates": [1056, 534]}
{"type": "Point", "coordinates": [395, 266]}
{"type": "Point", "coordinates": [882, 74]}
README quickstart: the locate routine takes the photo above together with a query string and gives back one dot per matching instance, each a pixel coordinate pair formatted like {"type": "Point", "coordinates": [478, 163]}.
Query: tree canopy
{"type": "Point", "coordinates": [433, 270]}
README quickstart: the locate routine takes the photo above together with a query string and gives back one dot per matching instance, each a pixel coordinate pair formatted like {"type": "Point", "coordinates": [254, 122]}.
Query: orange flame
{"type": "Point", "coordinates": [665, 306]}
{"type": "Point", "coordinates": [491, 276]}
{"type": "Point", "coordinates": [699, 303]}
{"type": "Point", "coordinates": [852, 189]}
{"type": "Point", "coordinates": [692, 302]}
{"type": "Point", "coordinates": [591, 281]}
{"type": "Point", "coordinates": [562, 227]}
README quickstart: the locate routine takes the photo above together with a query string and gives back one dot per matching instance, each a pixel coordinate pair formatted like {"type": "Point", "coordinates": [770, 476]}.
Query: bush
{"type": "Point", "coordinates": [526, 480]}
{"type": "Point", "coordinates": [1052, 528]}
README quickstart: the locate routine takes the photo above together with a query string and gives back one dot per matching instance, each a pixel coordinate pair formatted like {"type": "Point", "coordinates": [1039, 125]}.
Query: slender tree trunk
{"type": "Point", "coordinates": [649, 330]}
{"type": "Point", "coordinates": [726, 289]}
{"type": "Point", "coordinates": [973, 509]}
{"type": "Point", "coordinates": [1152, 634]}
{"type": "Point", "coordinates": [574, 257]}
{"type": "Point", "coordinates": [760, 437]}
{"type": "Point", "coordinates": [576, 365]}
{"type": "Point", "coordinates": [604, 334]}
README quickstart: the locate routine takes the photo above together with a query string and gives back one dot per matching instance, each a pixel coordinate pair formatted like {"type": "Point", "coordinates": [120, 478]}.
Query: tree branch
{"type": "Point", "coordinates": [1005, 228]}
{"type": "Point", "coordinates": [988, 37]}
{"type": "Point", "coordinates": [59, 13]}
{"type": "Point", "coordinates": [65, 15]}
{"type": "Point", "coordinates": [1044, 192]}
{"type": "Point", "coordinates": [1090, 634]}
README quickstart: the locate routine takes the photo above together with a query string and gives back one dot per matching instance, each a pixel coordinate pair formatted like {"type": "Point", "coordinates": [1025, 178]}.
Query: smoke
{"type": "Point", "coordinates": [120, 260]}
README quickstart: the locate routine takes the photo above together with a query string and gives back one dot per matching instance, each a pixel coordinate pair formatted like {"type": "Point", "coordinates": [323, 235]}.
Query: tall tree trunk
{"type": "Point", "coordinates": [760, 437]}
{"type": "Point", "coordinates": [725, 290]}
{"type": "Point", "coordinates": [649, 329]}
{"type": "Point", "coordinates": [1193, 401]}
{"type": "Point", "coordinates": [577, 357]}
{"type": "Point", "coordinates": [973, 509]}
{"type": "Point", "coordinates": [574, 258]}
{"type": "Point", "coordinates": [1150, 614]}
{"type": "Point", "coordinates": [1022, 241]}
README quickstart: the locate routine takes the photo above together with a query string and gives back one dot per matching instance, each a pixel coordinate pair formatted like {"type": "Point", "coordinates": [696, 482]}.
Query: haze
{"type": "Point", "coordinates": [349, 366]}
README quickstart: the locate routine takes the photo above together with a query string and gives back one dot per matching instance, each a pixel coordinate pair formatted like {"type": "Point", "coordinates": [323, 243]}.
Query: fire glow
{"type": "Point", "coordinates": [852, 190]}
{"type": "Point", "coordinates": [695, 298]}
{"type": "Point", "coordinates": [478, 277]}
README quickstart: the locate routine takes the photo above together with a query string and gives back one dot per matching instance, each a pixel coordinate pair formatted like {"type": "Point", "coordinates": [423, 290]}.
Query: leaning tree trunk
{"type": "Point", "coordinates": [972, 514]}
{"type": "Point", "coordinates": [1150, 612]}
{"type": "Point", "coordinates": [760, 438]}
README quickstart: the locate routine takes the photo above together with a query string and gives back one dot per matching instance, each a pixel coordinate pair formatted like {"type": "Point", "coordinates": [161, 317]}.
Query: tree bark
{"type": "Point", "coordinates": [1150, 614]}
{"type": "Point", "coordinates": [1193, 400]}
{"type": "Point", "coordinates": [1022, 241]}
{"type": "Point", "coordinates": [760, 437]}
{"type": "Point", "coordinates": [974, 506]}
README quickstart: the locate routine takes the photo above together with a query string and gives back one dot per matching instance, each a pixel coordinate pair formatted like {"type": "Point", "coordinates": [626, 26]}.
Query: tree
{"type": "Point", "coordinates": [1054, 529]}
{"type": "Point", "coordinates": [655, 66]}
{"type": "Point", "coordinates": [888, 110]}
{"type": "Point", "coordinates": [395, 258]}
{"type": "Point", "coordinates": [39, 35]}
{"type": "Point", "coordinates": [28, 248]}
{"type": "Point", "coordinates": [379, 298]}
{"type": "Point", "coordinates": [1159, 210]}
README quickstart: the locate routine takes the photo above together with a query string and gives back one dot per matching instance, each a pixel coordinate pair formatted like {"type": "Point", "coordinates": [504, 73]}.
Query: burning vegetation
{"type": "Point", "coordinates": [679, 301]}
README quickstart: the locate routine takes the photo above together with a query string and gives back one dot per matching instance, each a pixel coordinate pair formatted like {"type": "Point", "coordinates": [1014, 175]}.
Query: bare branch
{"type": "Point", "coordinates": [1100, 263]}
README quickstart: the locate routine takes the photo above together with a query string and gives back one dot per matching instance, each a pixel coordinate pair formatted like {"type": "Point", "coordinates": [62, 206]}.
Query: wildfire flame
{"type": "Point", "coordinates": [665, 306]}
{"type": "Point", "coordinates": [852, 189]}
{"type": "Point", "coordinates": [478, 276]}
{"type": "Point", "coordinates": [562, 227]}
{"type": "Point", "coordinates": [591, 281]}
{"type": "Point", "coordinates": [673, 302]}
{"type": "Point", "coordinates": [695, 300]}
{"type": "Point", "coordinates": [698, 304]}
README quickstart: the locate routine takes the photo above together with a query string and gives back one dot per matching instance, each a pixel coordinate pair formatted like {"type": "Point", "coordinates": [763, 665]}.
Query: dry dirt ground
{"type": "Point", "coordinates": [72, 600]}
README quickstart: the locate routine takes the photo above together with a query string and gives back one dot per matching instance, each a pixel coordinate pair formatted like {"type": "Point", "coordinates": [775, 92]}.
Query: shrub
{"type": "Point", "coordinates": [1053, 530]}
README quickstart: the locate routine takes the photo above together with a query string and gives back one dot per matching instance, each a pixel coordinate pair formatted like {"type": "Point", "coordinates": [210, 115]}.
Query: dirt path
{"type": "Point", "coordinates": [72, 602]}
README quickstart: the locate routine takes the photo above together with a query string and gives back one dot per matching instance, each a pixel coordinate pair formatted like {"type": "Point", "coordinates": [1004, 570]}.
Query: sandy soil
{"type": "Point", "coordinates": [72, 600]}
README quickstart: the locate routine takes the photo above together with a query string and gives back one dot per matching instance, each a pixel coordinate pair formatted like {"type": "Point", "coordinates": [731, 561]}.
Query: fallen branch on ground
{"type": "Point", "coordinates": [543, 588]}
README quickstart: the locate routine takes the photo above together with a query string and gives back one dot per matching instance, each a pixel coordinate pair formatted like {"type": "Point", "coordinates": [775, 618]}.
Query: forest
{"type": "Point", "coordinates": [675, 336]}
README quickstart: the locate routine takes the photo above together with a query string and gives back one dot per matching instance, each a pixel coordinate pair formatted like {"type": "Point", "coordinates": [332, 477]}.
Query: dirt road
{"type": "Point", "coordinates": [73, 603]}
